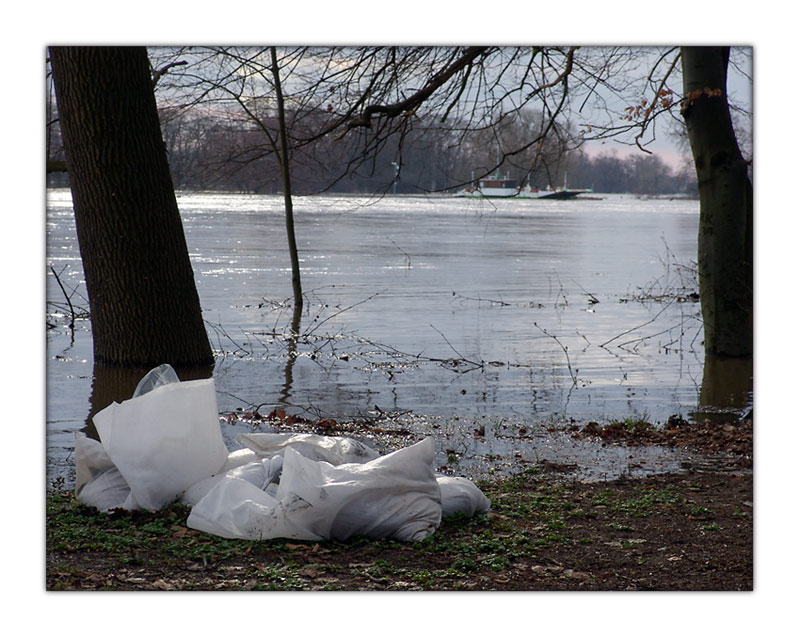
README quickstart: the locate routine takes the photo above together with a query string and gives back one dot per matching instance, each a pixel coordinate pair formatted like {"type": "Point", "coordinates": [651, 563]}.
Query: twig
{"type": "Point", "coordinates": [481, 300]}
{"type": "Point", "coordinates": [560, 291]}
{"type": "Point", "coordinates": [592, 298]}
{"type": "Point", "coordinates": [460, 356]}
{"type": "Point", "coordinates": [657, 315]}
{"type": "Point", "coordinates": [566, 353]}
{"type": "Point", "coordinates": [69, 301]}
{"type": "Point", "coordinates": [670, 329]}
{"type": "Point", "coordinates": [310, 332]}
{"type": "Point", "coordinates": [652, 108]}
{"type": "Point", "coordinates": [408, 258]}
{"type": "Point", "coordinates": [583, 336]}
{"type": "Point", "coordinates": [220, 330]}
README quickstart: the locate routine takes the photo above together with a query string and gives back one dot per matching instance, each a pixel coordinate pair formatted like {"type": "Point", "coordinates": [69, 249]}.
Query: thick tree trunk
{"type": "Point", "coordinates": [144, 304]}
{"type": "Point", "coordinates": [725, 240]}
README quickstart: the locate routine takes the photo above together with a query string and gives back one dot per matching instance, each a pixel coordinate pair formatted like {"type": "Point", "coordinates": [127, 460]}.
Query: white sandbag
{"type": "Point", "coordinates": [393, 496]}
{"type": "Point", "coordinates": [164, 441]}
{"type": "Point", "coordinates": [198, 490]}
{"type": "Point", "coordinates": [91, 460]}
{"type": "Point", "coordinates": [108, 491]}
{"type": "Point", "coordinates": [98, 482]}
{"type": "Point", "coordinates": [459, 494]}
{"type": "Point", "coordinates": [237, 458]}
{"type": "Point", "coordinates": [333, 449]}
{"type": "Point", "coordinates": [261, 473]}
{"type": "Point", "coordinates": [193, 494]}
{"type": "Point", "coordinates": [235, 508]}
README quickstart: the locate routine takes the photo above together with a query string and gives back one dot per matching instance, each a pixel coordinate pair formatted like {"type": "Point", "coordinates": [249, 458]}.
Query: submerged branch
{"type": "Point", "coordinates": [566, 353]}
{"type": "Point", "coordinates": [622, 334]}
{"type": "Point", "coordinates": [67, 297]}
{"type": "Point", "coordinates": [460, 356]}
{"type": "Point", "coordinates": [336, 314]}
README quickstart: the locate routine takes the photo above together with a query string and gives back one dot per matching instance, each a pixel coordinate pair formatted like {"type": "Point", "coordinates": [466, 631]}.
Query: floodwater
{"type": "Point", "coordinates": [437, 314]}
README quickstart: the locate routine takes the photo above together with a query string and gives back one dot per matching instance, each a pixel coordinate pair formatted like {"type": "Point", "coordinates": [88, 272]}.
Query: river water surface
{"type": "Point", "coordinates": [443, 312]}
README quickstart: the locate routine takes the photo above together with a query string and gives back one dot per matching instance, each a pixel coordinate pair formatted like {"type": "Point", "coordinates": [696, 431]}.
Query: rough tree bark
{"type": "Point", "coordinates": [144, 304]}
{"type": "Point", "coordinates": [725, 240]}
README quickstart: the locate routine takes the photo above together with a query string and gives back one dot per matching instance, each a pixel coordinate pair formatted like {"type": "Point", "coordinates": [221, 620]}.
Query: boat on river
{"type": "Point", "coordinates": [497, 187]}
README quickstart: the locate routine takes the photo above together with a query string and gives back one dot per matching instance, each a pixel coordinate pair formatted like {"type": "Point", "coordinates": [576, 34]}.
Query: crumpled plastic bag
{"type": "Point", "coordinates": [264, 473]}
{"type": "Point", "coordinates": [333, 449]}
{"type": "Point", "coordinates": [164, 441]}
{"type": "Point", "coordinates": [394, 496]}
{"type": "Point", "coordinates": [198, 490]}
{"type": "Point", "coordinates": [235, 508]}
{"type": "Point", "coordinates": [161, 375]}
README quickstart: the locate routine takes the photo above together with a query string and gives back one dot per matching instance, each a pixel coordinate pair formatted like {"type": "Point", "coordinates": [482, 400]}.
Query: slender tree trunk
{"type": "Point", "coordinates": [725, 240]}
{"type": "Point", "coordinates": [144, 304]}
{"type": "Point", "coordinates": [283, 157]}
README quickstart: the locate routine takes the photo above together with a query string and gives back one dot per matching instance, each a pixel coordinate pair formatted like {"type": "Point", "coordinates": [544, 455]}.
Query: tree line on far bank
{"type": "Point", "coordinates": [637, 173]}
{"type": "Point", "coordinates": [213, 153]}
{"type": "Point", "coordinates": [429, 166]}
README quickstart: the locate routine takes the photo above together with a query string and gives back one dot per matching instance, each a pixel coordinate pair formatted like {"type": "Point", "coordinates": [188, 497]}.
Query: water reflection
{"type": "Point", "coordinates": [288, 372]}
{"type": "Point", "coordinates": [727, 388]}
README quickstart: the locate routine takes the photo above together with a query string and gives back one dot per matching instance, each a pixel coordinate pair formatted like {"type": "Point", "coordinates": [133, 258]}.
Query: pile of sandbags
{"type": "Point", "coordinates": [165, 444]}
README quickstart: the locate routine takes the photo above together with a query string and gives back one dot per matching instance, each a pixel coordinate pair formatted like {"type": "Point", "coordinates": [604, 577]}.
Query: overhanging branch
{"type": "Point", "coordinates": [418, 98]}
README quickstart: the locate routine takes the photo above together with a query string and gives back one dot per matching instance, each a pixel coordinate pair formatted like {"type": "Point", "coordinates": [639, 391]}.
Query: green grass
{"type": "Point", "coordinates": [647, 502]}
{"type": "Point", "coordinates": [531, 519]}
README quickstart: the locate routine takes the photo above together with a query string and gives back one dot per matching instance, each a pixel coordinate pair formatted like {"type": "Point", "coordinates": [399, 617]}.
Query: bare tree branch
{"type": "Point", "coordinates": [159, 73]}
{"type": "Point", "coordinates": [415, 100]}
